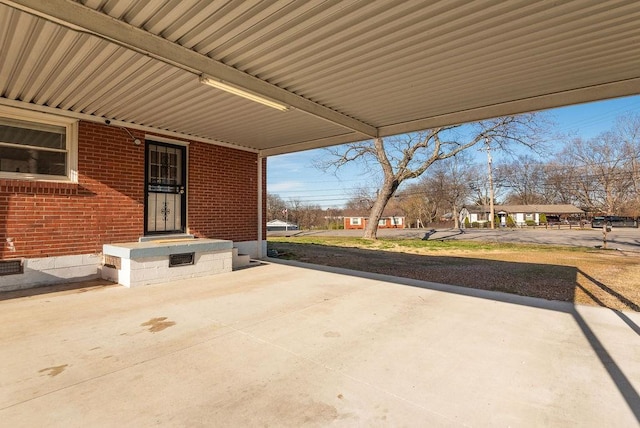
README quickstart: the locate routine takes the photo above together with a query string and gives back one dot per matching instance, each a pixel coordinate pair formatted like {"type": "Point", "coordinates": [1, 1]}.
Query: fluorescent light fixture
{"type": "Point", "coordinates": [242, 93]}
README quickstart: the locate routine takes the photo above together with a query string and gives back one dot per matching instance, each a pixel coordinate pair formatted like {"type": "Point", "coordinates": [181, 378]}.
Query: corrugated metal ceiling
{"type": "Point", "coordinates": [350, 69]}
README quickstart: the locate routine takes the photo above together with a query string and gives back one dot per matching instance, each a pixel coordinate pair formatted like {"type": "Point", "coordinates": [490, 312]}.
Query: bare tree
{"type": "Point", "coordinates": [275, 206]}
{"type": "Point", "coordinates": [524, 179]}
{"type": "Point", "coordinates": [333, 218]}
{"type": "Point", "coordinates": [295, 209]}
{"type": "Point", "coordinates": [598, 172]}
{"type": "Point", "coordinates": [361, 199]}
{"type": "Point", "coordinates": [479, 185]}
{"type": "Point", "coordinates": [417, 205]}
{"type": "Point", "coordinates": [628, 130]}
{"type": "Point", "coordinates": [408, 156]}
{"type": "Point", "coordinates": [558, 184]}
{"type": "Point", "coordinates": [448, 183]}
{"type": "Point", "coordinates": [310, 216]}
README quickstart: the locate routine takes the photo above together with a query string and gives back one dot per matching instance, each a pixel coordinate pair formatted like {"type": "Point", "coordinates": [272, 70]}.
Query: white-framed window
{"type": "Point", "coordinates": [382, 222]}
{"type": "Point", "coordinates": [37, 146]}
{"type": "Point", "coordinates": [396, 221]}
{"type": "Point", "coordinates": [356, 221]}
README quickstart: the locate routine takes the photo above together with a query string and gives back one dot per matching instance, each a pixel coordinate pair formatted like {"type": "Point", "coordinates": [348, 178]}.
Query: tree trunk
{"type": "Point", "coordinates": [385, 193]}
{"type": "Point", "coordinates": [456, 219]}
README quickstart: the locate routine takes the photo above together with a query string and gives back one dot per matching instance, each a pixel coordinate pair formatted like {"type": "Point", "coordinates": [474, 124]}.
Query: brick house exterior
{"type": "Point", "coordinates": [358, 220]}
{"type": "Point", "coordinates": [58, 228]}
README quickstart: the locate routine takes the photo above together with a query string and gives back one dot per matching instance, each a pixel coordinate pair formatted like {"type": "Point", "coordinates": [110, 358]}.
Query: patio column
{"type": "Point", "coordinates": [260, 198]}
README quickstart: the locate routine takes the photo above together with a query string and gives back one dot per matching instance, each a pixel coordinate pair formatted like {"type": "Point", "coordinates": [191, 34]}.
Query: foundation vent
{"type": "Point", "coordinates": [112, 261]}
{"type": "Point", "coordinates": [184, 259]}
{"type": "Point", "coordinates": [11, 267]}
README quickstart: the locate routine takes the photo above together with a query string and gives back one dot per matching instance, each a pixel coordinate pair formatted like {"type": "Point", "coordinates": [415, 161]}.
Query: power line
{"type": "Point", "coordinates": [611, 114]}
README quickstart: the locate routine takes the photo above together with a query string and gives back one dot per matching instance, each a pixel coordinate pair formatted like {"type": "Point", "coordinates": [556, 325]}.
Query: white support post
{"type": "Point", "coordinates": [260, 197]}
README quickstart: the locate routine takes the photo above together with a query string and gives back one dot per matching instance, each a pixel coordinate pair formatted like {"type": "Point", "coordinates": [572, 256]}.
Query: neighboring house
{"type": "Point", "coordinates": [275, 225]}
{"type": "Point", "coordinates": [523, 214]}
{"type": "Point", "coordinates": [358, 220]}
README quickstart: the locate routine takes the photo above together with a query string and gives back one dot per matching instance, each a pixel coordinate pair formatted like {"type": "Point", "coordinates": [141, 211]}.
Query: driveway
{"type": "Point", "coordinates": [286, 344]}
{"type": "Point", "coordinates": [623, 238]}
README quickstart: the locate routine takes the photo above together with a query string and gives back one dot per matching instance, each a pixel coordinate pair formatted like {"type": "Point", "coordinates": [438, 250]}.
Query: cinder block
{"type": "Point", "coordinates": [91, 259]}
{"type": "Point", "coordinates": [109, 273]}
{"type": "Point", "coordinates": [41, 264]}
{"type": "Point", "coordinates": [67, 261]}
{"type": "Point", "coordinates": [155, 269]}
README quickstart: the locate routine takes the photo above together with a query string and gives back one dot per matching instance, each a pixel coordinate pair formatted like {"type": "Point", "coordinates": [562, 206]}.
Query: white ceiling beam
{"type": "Point", "coordinates": [81, 18]}
{"type": "Point", "coordinates": [314, 144]}
{"type": "Point", "coordinates": [560, 99]}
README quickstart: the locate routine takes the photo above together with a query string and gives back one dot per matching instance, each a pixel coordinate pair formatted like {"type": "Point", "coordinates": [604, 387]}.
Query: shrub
{"type": "Point", "coordinates": [510, 222]}
{"type": "Point", "coordinates": [467, 223]}
{"type": "Point", "coordinates": [543, 218]}
{"type": "Point", "coordinates": [530, 223]}
{"type": "Point", "coordinates": [475, 224]}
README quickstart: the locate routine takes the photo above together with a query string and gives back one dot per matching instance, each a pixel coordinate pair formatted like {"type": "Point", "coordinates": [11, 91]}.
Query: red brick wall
{"type": "Point", "coordinates": [364, 221]}
{"type": "Point", "coordinates": [348, 225]}
{"type": "Point", "coordinates": [107, 204]}
{"type": "Point", "coordinates": [223, 188]}
{"type": "Point", "coordinates": [50, 219]}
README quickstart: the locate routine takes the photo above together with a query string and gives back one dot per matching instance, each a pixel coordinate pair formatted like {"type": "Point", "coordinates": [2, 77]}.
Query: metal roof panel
{"type": "Point", "coordinates": [352, 68]}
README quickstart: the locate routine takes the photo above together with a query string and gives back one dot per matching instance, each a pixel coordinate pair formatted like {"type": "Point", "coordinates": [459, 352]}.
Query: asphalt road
{"type": "Point", "coordinates": [626, 239]}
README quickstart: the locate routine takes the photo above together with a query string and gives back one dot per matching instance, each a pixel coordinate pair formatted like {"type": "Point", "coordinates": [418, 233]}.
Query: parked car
{"type": "Point", "coordinates": [614, 221]}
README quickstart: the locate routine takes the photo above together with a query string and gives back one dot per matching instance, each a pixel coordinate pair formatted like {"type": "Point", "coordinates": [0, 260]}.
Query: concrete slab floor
{"type": "Point", "coordinates": [289, 345]}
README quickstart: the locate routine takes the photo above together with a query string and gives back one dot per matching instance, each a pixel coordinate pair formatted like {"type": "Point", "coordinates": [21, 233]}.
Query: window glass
{"type": "Point", "coordinates": [32, 148]}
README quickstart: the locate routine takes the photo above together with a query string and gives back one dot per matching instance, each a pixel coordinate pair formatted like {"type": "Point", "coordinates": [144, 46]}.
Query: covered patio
{"type": "Point", "coordinates": [298, 345]}
{"type": "Point", "coordinates": [212, 82]}
{"type": "Point", "coordinates": [288, 345]}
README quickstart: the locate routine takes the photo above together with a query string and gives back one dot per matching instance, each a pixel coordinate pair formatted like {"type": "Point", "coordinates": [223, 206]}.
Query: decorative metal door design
{"type": "Point", "coordinates": [165, 188]}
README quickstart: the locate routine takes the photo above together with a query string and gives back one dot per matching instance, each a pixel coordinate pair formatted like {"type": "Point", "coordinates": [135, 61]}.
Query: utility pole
{"type": "Point", "coordinates": [491, 195]}
{"type": "Point", "coordinates": [286, 219]}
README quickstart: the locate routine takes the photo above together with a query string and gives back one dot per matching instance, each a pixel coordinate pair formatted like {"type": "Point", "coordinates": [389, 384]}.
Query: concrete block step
{"type": "Point", "coordinates": [240, 261]}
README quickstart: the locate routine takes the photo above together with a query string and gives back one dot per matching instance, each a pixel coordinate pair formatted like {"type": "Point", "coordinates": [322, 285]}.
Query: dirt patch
{"type": "Point", "coordinates": [600, 278]}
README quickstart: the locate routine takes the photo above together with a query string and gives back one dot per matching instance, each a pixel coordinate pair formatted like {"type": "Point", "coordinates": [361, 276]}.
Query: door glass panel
{"type": "Point", "coordinates": [164, 212]}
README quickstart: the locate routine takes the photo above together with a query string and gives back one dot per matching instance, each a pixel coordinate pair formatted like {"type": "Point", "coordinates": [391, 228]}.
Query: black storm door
{"type": "Point", "coordinates": [165, 188]}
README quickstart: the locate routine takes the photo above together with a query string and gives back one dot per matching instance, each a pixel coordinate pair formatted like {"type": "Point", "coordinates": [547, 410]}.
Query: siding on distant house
{"type": "Point", "coordinates": [521, 214]}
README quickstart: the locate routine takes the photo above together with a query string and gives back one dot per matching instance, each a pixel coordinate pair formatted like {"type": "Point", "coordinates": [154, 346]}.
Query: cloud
{"type": "Point", "coordinates": [292, 162]}
{"type": "Point", "coordinates": [285, 186]}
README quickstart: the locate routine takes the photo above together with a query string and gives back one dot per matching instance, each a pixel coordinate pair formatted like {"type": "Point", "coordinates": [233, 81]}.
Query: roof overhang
{"type": "Point", "coordinates": [346, 71]}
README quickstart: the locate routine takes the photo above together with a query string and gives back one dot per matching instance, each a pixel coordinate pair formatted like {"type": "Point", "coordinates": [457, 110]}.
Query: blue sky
{"type": "Point", "coordinates": [293, 176]}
